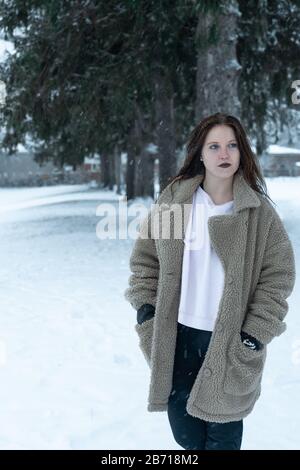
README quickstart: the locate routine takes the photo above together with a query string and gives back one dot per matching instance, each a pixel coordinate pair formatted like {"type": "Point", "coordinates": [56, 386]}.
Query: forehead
{"type": "Point", "coordinates": [220, 132]}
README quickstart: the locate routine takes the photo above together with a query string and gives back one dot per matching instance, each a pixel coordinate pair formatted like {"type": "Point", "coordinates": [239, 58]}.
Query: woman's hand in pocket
{"type": "Point", "coordinates": [145, 312]}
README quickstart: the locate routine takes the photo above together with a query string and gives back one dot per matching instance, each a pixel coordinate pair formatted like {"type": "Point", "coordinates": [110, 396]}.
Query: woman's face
{"type": "Point", "coordinates": [221, 147]}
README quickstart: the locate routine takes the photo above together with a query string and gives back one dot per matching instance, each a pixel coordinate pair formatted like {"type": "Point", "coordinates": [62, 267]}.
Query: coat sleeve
{"type": "Point", "coordinates": [268, 306]}
{"type": "Point", "coordinates": [144, 266]}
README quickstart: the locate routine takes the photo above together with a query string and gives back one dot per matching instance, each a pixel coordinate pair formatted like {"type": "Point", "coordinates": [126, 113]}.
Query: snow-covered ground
{"type": "Point", "coordinates": [71, 373]}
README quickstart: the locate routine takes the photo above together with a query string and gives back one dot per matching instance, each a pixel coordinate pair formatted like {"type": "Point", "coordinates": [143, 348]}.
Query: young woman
{"type": "Point", "coordinates": [210, 300]}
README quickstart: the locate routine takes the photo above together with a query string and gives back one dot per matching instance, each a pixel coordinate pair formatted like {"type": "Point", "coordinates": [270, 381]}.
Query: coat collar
{"type": "Point", "coordinates": [243, 195]}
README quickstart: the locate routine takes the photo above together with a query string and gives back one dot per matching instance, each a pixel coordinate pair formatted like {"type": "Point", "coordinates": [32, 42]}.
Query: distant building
{"type": "Point", "coordinates": [92, 164]}
{"type": "Point", "coordinates": [20, 169]}
{"type": "Point", "coordinates": [91, 168]}
{"type": "Point", "coordinates": [281, 161]}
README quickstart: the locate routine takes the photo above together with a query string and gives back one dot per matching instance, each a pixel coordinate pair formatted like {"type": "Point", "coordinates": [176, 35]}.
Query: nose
{"type": "Point", "coordinates": [223, 155]}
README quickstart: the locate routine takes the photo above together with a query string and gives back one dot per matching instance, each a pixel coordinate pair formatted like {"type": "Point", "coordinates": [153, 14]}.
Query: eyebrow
{"type": "Point", "coordinates": [218, 142]}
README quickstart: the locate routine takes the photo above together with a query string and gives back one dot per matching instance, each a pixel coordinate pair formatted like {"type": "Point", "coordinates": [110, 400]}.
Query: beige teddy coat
{"type": "Point", "coordinates": [259, 267]}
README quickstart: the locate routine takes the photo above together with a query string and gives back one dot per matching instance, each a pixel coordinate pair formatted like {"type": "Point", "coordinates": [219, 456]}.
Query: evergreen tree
{"type": "Point", "coordinates": [269, 51]}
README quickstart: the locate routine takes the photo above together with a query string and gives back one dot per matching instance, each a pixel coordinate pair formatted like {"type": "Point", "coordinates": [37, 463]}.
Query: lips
{"type": "Point", "coordinates": [225, 165]}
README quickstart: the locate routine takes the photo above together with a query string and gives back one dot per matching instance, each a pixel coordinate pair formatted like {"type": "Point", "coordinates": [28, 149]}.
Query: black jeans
{"type": "Point", "coordinates": [188, 431]}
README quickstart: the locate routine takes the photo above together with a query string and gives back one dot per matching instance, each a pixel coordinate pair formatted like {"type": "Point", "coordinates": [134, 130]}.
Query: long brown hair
{"type": "Point", "coordinates": [193, 166]}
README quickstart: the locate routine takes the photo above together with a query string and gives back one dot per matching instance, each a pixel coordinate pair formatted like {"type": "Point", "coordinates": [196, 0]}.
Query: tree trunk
{"type": "Point", "coordinates": [112, 177]}
{"type": "Point", "coordinates": [165, 128]}
{"type": "Point", "coordinates": [260, 142]}
{"type": "Point", "coordinates": [130, 168]}
{"type": "Point", "coordinates": [104, 170]}
{"type": "Point", "coordinates": [217, 66]}
{"type": "Point", "coordinates": [144, 174]}
{"type": "Point", "coordinates": [117, 165]}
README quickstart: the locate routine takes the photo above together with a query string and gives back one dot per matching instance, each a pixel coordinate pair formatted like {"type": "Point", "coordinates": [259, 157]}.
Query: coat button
{"type": "Point", "coordinates": [207, 372]}
{"type": "Point", "coordinates": [230, 279]}
{"type": "Point", "coordinates": [219, 327]}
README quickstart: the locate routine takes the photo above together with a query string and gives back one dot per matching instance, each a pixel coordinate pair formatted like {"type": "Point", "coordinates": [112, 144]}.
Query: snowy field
{"type": "Point", "coordinates": [71, 373]}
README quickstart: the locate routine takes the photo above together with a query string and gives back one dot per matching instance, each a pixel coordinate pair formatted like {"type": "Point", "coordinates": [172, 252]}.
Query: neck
{"type": "Point", "coordinates": [220, 190]}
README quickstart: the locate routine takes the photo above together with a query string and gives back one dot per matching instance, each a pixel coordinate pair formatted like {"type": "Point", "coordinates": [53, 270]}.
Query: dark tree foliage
{"type": "Point", "coordinates": [81, 69]}
{"type": "Point", "coordinates": [268, 49]}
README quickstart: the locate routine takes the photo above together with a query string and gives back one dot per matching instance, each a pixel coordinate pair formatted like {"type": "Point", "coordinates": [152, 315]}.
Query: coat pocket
{"type": "Point", "coordinates": [145, 333]}
{"type": "Point", "coordinates": [244, 368]}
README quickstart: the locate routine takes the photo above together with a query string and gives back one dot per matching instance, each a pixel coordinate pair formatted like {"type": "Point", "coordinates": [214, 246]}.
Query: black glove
{"type": "Point", "coordinates": [251, 342]}
{"type": "Point", "coordinates": [145, 312]}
